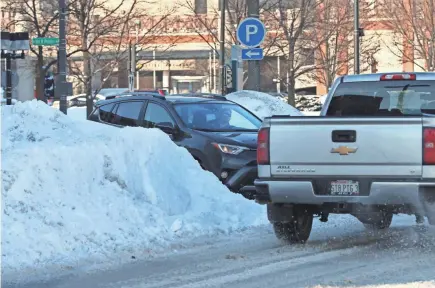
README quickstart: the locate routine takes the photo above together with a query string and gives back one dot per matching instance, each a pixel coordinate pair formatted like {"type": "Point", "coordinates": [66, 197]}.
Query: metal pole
{"type": "Point", "coordinates": [137, 42]}
{"type": "Point", "coordinates": [222, 45]}
{"type": "Point", "coordinates": [210, 71]}
{"type": "Point", "coordinates": [154, 70]}
{"type": "Point", "coordinates": [9, 77]}
{"type": "Point", "coordinates": [253, 66]}
{"type": "Point", "coordinates": [356, 40]}
{"type": "Point", "coordinates": [62, 56]}
{"type": "Point", "coordinates": [278, 82]}
{"type": "Point", "coordinates": [130, 68]}
{"type": "Point", "coordinates": [214, 72]}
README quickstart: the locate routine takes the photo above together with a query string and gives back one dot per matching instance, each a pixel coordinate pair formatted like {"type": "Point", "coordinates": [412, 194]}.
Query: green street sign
{"type": "Point", "coordinates": [45, 41]}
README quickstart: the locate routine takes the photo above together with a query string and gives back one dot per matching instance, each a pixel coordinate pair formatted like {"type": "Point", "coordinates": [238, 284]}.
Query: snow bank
{"type": "Point", "coordinates": [262, 104]}
{"type": "Point", "coordinates": [77, 113]}
{"type": "Point", "coordinates": [73, 191]}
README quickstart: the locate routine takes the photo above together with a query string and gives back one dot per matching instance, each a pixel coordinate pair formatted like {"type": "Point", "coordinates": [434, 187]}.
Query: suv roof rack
{"type": "Point", "coordinates": [145, 93]}
{"type": "Point", "coordinates": [202, 95]}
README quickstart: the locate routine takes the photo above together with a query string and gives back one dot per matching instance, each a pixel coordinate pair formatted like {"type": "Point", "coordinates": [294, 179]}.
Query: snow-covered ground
{"type": "Point", "coordinates": [262, 104]}
{"type": "Point", "coordinates": [75, 190]}
{"type": "Point", "coordinates": [340, 253]}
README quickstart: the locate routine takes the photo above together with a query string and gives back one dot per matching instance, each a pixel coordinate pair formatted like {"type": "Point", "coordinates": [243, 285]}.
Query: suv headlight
{"type": "Point", "coordinates": [230, 149]}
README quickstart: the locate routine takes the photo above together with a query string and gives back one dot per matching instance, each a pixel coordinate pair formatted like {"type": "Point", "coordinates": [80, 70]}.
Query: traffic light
{"type": "Point", "coordinates": [49, 85]}
{"type": "Point", "coordinates": [228, 76]}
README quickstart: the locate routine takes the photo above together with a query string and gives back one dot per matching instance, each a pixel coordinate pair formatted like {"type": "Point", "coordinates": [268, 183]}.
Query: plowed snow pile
{"type": "Point", "coordinates": [262, 104]}
{"type": "Point", "coordinates": [76, 189]}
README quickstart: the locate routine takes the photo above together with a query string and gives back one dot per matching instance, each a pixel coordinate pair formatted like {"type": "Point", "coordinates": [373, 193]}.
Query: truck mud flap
{"type": "Point", "coordinates": [428, 201]}
{"type": "Point", "coordinates": [279, 213]}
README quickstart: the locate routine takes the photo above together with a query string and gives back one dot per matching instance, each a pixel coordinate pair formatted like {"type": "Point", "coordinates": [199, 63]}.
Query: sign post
{"type": "Point", "coordinates": [251, 33]}
{"type": "Point", "coordinates": [237, 68]}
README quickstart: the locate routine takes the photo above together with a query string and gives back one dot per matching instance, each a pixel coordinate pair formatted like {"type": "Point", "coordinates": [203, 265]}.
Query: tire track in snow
{"type": "Point", "coordinates": [263, 260]}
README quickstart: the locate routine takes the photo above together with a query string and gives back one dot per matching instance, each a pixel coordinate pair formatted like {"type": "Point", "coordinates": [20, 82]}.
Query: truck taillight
{"type": "Point", "coordinates": [387, 77]}
{"type": "Point", "coordinates": [429, 146]}
{"type": "Point", "coordinates": [263, 147]}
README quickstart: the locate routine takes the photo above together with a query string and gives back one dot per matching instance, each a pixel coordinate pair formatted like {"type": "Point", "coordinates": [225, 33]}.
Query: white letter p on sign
{"type": "Point", "coordinates": [250, 30]}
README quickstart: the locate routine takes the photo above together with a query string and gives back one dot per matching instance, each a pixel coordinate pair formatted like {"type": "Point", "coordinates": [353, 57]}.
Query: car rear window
{"type": "Point", "coordinates": [383, 98]}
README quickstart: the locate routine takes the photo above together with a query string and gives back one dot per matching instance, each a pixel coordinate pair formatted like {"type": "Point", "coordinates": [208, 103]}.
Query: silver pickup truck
{"type": "Point", "coordinates": [370, 153]}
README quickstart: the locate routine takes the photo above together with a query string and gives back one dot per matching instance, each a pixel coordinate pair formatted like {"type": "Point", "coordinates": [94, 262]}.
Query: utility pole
{"type": "Point", "coordinates": [253, 66]}
{"type": "Point", "coordinates": [357, 35]}
{"type": "Point", "coordinates": [62, 56]}
{"type": "Point", "coordinates": [222, 45]}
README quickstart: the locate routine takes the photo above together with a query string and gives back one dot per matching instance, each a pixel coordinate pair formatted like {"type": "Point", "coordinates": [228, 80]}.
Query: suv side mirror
{"type": "Point", "coordinates": [167, 127]}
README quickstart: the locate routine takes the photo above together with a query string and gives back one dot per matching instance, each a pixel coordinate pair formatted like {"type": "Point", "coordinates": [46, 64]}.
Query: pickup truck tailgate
{"type": "Point", "coordinates": [315, 146]}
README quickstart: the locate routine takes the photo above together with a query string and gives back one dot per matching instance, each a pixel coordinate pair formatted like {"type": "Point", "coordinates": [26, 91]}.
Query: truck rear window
{"type": "Point", "coordinates": [383, 98]}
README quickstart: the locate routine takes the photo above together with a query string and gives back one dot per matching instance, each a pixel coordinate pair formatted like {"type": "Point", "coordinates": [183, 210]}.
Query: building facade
{"type": "Point", "coordinates": [178, 50]}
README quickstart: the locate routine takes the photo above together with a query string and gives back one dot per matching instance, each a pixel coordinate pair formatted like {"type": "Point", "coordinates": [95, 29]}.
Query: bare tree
{"type": "Point", "coordinates": [296, 23]}
{"type": "Point", "coordinates": [334, 38]}
{"type": "Point", "coordinates": [104, 32]}
{"type": "Point", "coordinates": [92, 23]}
{"type": "Point", "coordinates": [413, 23]}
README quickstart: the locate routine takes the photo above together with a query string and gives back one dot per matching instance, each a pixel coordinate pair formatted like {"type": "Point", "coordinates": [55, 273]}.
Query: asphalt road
{"type": "Point", "coordinates": [404, 256]}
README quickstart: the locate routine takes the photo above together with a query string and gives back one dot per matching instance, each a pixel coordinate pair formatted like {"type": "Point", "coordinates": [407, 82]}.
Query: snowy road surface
{"type": "Point", "coordinates": [401, 257]}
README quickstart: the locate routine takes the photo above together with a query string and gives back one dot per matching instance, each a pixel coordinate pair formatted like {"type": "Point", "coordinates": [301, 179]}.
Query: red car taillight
{"type": "Point", "coordinates": [429, 146]}
{"type": "Point", "coordinates": [161, 92]}
{"type": "Point", "coordinates": [263, 156]}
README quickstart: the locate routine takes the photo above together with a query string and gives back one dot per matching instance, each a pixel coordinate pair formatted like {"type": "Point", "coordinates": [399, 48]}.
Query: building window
{"type": "Point", "coordinates": [200, 6]}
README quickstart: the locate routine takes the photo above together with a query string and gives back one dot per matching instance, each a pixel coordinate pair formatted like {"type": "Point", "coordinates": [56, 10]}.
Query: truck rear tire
{"type": "Point", "coordinates": [298, 230]}
{"type": "Point", "coordinates": [381, 224]}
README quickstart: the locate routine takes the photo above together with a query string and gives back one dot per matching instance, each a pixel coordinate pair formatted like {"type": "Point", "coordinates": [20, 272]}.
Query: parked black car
{"type": "Point", "coordinates": [220, 134]}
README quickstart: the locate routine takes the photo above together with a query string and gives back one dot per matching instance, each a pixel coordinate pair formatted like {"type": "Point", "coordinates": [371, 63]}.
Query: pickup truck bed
{"type": "Point", "coordinates": [372, 164]}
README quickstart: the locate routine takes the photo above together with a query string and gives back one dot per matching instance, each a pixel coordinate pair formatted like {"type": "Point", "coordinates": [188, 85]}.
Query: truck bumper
{"type": "Point", "coordinates": [417, 194]}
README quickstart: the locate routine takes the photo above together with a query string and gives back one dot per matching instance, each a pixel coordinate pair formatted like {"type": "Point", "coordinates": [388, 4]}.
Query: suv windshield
{"type": "Point", "coordinates": [383, 98]}
{"type": "Point", "coordinates": [216, 117]}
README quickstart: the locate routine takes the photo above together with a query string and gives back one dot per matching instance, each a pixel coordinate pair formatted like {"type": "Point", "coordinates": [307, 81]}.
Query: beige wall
{"type": "Point", "coordinates": [387, 58]}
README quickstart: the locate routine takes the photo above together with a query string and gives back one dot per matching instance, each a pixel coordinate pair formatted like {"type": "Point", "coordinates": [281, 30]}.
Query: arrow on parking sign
{"type": "Point", "coordinates": [252, 54]}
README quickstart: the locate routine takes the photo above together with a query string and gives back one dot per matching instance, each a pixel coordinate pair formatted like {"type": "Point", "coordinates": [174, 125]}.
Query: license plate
{"type": "Point", "coordinates": [344, 188]}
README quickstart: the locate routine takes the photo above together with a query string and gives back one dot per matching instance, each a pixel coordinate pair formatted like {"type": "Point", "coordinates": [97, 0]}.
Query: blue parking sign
{"type": "Point", "coordinates": [251, 32]}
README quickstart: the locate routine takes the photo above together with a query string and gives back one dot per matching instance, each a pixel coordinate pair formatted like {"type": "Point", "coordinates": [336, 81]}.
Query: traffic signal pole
{"type": "Point", "coordinates": [10, 43]}
{"type": "Point", "coordinates": [62, 56]}
{"type": "Point", "coordinates": [9, 79]}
